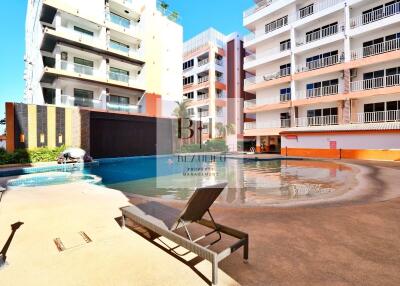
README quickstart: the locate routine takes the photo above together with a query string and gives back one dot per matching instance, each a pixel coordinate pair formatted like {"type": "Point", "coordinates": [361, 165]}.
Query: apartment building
{"type": "Point", "coordinates": [114, 55]}
{"type": "Point", "coordinates": [323, 66]}
{"type": "Point", "coordinates": [213, 82]}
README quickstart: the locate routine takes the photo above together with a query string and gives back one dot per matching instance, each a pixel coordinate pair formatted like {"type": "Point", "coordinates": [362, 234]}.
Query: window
{"type": "Point", "coordinates": [122, 100]}
{"type": "Point", "coordinates": [326, 87]}
{"type": "Point", "coordinates": [322, 32]}
{"type": "Point", "coordinates": [272, 26]}
{"type": "Point", "coordinates": [373, 79]}
{"type": "Point", "coordinates": [326, 116]}
{"type": "Point", "coordinates": [83, 97]}
{"type": "Point", "coordinates": [188, 80]}
{"type": "Point", "coordinates": [322, 60]}
{"type": "Point", "coordinates": [188, 64]}
{"type": "Point", "coordinates": [189, 95]}
{"type": "Point", "coordinates": [83, 62]}
{"type": "Point", "coordinates": [393, 76]}
{"type": "Point", "coordinates": [285, 119]}
{"type": "Point", "coordinates": [190, 111]}
{"type": "Point", "coordinates": [285, 45]}
{"type": "Point", "coordinates": [119, 74]}
{"type": "Point", "coordinates": [382, 111]}
{"type": "Point", "coordinates": [285, 70]}
{"type": "Point", "coordinates": [285, 94]}
{"type": "Point", "coordinates": [117, 19]}
{"type": "Point", "coordinates": [83, 66]}
{"type": "Point", "coordinates": [119, 46]}
{"type": "Point", "coordinates": [83, 31]}
{"type": "Point", "coordinates": [306, 11]}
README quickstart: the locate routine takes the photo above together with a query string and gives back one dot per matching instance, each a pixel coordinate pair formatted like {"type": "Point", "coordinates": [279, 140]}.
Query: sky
{"type": "Point", "coordinates": [195, 17]}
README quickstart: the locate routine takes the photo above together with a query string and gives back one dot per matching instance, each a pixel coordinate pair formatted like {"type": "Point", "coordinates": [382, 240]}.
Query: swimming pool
{"type": "Point", "coordinates": [250, 182]}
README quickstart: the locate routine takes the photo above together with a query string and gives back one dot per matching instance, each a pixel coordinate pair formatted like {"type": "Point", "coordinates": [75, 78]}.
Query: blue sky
{"type": "Point", "coordinates": [224, 15]}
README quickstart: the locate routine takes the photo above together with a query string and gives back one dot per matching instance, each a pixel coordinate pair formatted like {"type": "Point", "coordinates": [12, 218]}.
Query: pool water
{"type": "Point", "coordinates": [250, 182]}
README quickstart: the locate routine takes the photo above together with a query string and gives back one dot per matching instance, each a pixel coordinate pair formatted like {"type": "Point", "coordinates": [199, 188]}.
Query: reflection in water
{"type": "Point", "coordinates": [249, 182]}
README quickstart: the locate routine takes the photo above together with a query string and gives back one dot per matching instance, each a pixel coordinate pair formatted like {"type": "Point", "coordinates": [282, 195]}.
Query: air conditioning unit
{"type": "Point", "coordinates": [353, 73]}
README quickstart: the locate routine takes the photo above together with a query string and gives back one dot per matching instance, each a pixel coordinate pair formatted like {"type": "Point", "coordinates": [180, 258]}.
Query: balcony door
{"type": "Point", "coordinates": [118, 103]}
{"type": "Point", "coordinates": [83, 66]}
{"type": "Point", "coordinates": [83, 98]}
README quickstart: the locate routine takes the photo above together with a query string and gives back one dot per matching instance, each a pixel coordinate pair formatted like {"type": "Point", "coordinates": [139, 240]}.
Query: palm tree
{"type": "Point", "coordinates": [181, 110]}
{"type": "Point", "coordinates": [224, 130]}
{"type": "Point", "coordinates": [164, 6]}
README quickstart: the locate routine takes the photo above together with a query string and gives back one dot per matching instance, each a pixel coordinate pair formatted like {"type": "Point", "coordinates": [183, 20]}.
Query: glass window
{"type": "Point", "coordinates": [83, 31]}
{"type": "Point", "coordinates": [83, 97]}
{"type": "Point", "coordinates": [83, 62]}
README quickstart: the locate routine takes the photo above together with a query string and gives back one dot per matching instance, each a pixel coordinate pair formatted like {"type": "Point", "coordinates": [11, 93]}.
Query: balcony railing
{"type": "Point", "coordinates": [203, 62]}
{"type": "Point", "coordinates": [119, 47]}
{"type": "Point", "coordinates": [317, 7]}
{"type": "Point", "coordinates": [282, 123]}
{"type": "Point", "coordinates": [378, 116]}
{"type": "Point", "coordinates": [375, 15]}
{"type": "Point", "coordinates": [70, 100]}
{"type": "Point", "coordinates": [277, 24]}
{"type": "Point", "coordinates": [203, 79]}
{"type": "Point", "coordinates": [268, 54]}
{"type": "Point", "coordinates": [318, 92]}
{"type": "Point", "coordinates": [118, 76]}
{"type": "Point", "coordinates": [249, 103]}
{"type": "Point", "coordinates": [285, 97]}
{"type": "Point", "coordinates": [372, 50]}
{"type": "Point", "coordinates": [267, 77]}
{"type": "Point", "coordinates": [317, 121]}
{"type": "Point", "coordinates": [318, 35]}
{"type": "Point", "coordinates": [203, 114]}
{"type": "Point", "coordinates": [122, 107]}
{"type": "Point", "coordinates": [219, 62]}
{"type": "Point", "coordinates": [120, 21]}
{"type": "Point", "coordinates": [321, 63]}
{"type": "Point", "coordinates": [77, 68]}
{"type": "Point", "coordinates": [260, 5]}
{"type": "Point", "coordinates": [219, 78]}
{"type": "Point", "coordinates": [202, 96]}
{"type": "Point", "coordinates": [379, 82]}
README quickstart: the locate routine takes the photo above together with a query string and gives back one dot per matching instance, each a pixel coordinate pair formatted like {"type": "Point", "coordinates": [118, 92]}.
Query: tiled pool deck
{"type": "Point", "coordinates": [336, 244]}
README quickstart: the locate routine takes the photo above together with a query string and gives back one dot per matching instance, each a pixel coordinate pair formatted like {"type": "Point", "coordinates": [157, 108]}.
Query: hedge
{"type": "Point", "coordinates": [216, 145]}
{"type": "Point", "coordinates": [23, 156]}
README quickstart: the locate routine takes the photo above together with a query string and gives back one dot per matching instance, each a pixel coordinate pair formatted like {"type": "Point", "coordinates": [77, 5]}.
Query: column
{"type": "Point", "coordinates": [57, 53]}
{"type": "Point", "coordinates": [103, 98]}
{"type": "Point", "coordinates": [59, 100]}
{"type": "Point", "coordinates": [258, 144]}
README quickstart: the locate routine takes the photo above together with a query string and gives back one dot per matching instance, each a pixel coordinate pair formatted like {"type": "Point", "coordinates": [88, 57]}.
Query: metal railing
{"type": "Point", "coordinates": [260, 5]}
{"type": "Point", "coordinates": [78, 68]}
{"type": "Point", "coordinates": [267, 77]}
{"type": "Point", "coordinates": [277, 24]}
{"type": "Point", "coordinates": [378, 116]}
{"type": "Point", "coordinates": [375, 15]}
{"type": "Point", "coordinates": [321, 63]}
{"type": "Point", "coordinates": [318, 35]}
{"type": "Point", "coordinates": [118, 76]}
{"type": "Point", "coordinates": [202, 96]}
{"type": "Point", "coordinates": [203, 62]}
{"type": "Point", "coordinates": [203, 79]}
{"type": "Point", "coordinates": [379, 82]}
{"type": "Point", "coordinates": [317, 7]}
{"type": "Point", "coordinates": [376, 49]}
{"type": "Point", "coordinates": [268, 54]}
{"type": "Point", "coordinates": [285, 97]}
{"type": "Point", "coordinates": [318, 92]}
{"type": "Point", "coordinates": [281, 123]}
{"type": "Point", "coordinates": [317, 121]}
{"type": "Point", "coordinates": [122, 107]}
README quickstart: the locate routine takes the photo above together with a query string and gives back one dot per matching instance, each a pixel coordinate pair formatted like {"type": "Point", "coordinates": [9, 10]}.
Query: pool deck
{"type": "Point", "coordinates": [336, 244]}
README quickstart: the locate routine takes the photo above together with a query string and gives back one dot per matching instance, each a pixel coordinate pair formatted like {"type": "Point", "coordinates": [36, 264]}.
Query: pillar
{"type": "Point", "coordinates": [258, 144]}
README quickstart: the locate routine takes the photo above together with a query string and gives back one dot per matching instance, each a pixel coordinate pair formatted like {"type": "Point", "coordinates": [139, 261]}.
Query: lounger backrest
{"type": "Point", "coordinates": [201, 201]}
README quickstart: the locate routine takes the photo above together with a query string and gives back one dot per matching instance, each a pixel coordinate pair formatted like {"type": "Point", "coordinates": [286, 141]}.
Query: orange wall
{"type": "Point", "coordinates": [384, 155]}
{"type": "Point", "coordinates": [153, 104]}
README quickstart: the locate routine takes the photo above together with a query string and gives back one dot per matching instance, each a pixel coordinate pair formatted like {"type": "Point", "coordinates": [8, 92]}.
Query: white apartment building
{"type": "Point", "coordinates": [321, 63]}
{"type": "Point", "coordinates": [117, 55]}
{"type": "Point", "coordinates": [213, 82]}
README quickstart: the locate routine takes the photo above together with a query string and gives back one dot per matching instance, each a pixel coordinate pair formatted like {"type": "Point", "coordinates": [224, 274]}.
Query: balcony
{"type": "Point", "coordinates": [249, 103]}
{"type": "Point", "coordinates": [377, 49]}
{"type": "Point", "coordinates": [378, 116]}
{"type": "Point", "coordinates": [202, 96]}
{"type": "Point", "coordinates": [203, 114]}
{"type": "Point", "coordinates": [70, 100]}
{"type": "Point", "coordinates": [317, 7]}
{"type": "Point", "coordinates": [77, 68]}
{"type": "Point", "coordinates": [128, 26]}
{"type": "Point", "coordinates": [317, 121]}
{"type": "Point", "coordinates": [203, 79]}
{"type": "Point", "coordinates": [248, 82]}
{"type": "Point", "coordinates": [128, 108]}
{"type": "Point", "coordinates": [282, 123]}
{"type": "Point", "coordinates": [318, 35]}
{"type": "Point", "coordinates": [320, 63]}
{"type": "Point", "coordinates": [379, 14]}
{"type": "Point", "coordinates": [374, 83]}
{"type": "Point", "coordinates": [270, 55]}
{"type": "Point", "coordinates": [319, 92]}
{"type": "Point", "coordinates": [272, 29]}
{"type": "Point", "coordinates": [260, 5]}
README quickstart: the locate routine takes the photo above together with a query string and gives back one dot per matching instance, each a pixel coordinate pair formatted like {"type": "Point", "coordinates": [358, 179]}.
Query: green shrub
{"type": "Point", "coordinates": [23, 156]}
{"type": "Point", "coordinates": [215, 145]}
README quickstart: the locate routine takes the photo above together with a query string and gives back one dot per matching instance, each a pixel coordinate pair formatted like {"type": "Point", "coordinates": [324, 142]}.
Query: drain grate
{"type": "Point", "coordinates": [72, 241]}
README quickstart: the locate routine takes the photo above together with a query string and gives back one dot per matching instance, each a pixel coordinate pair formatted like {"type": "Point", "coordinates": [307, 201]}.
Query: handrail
{"type": "Point", "coordinates": [379, 82]}
{"type": "Point", "coordinates": [376, 49]}
{"type": "Point", "coordinates": [378, 116]}
{"type": "Point", "coordinates": [317, 121]}
{"type": "Point", "coordinates": [375, 15]}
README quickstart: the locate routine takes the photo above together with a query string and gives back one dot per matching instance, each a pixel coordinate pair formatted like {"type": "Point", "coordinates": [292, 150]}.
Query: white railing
{"type": "Point", "coordinates": [70, 100]}
{"type": "Point", "coordinates": [281, 123]}
{"type": "Point", "coordinates": [260, 5]}
{"type": "Point", "coordinates": [77, 68]}
{"type": "Point", "coordinates": [203, 114]}
{"type": "Point", "coordinates": [372, 50]}
{"type": "Point", "coordinates": [317, 121]}
{"type": "Point", "coordinates": [379, 82]}
{"type": "Point", "coordinates": [286, 46]}
{"type": "Point", "coordinates": [321, 63]}
{"type": "Point", "coordinates": [378, 116]}
{"type": "Point", "coordinates": [202, 96]}
{"type": "Point", "coordinates": [318, 35]}
{"type": "Point", "coordinates": [203, 79]}
{"type": "Point", "coordinates": [267, 77]}
{"type": "Point", "coordinates": [122, 107]}
{"type": "Point", "coordinates": [249, 103]}
{"type": "Point", "coordinates": [277, 24]}
{"type": "Point", "coordinates": [203, 62]}
{"type": "Point", "coordinates": [318, 92]}
{"type": "Point", "coordinates": [285, 97]}
{"type": "Point", "coordinates": [376, 15]}
{"type": "Point", "coordinates": [268, 54]}
{"type": "Point", "coordinates": [118, 76]}
{"type": "Point", "coordinates": [317, 7]}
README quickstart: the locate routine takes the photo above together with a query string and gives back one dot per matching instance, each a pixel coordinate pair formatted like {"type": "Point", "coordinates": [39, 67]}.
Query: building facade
{"type": "Point", "coordinates": [317, 66]}
{"type": "Point", "coordinates": [102, 54]}
{"type": "Point", "coordinates": [213, 83]}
